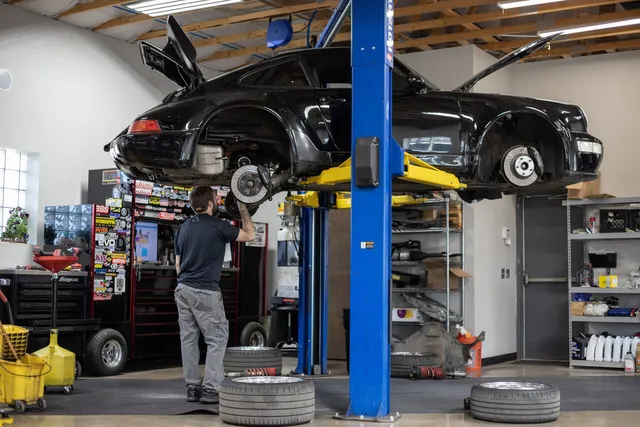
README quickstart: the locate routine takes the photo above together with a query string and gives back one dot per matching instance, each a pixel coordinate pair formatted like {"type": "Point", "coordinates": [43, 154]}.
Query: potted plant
{"type": "Point", "coordinates": [16, 230]}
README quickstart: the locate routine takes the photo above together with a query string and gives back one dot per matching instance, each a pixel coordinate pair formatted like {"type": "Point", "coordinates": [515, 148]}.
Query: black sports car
{"type": "Point", "coordinates": [262, 128]}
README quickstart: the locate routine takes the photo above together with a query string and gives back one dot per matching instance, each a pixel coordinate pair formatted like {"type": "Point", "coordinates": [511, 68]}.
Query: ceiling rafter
{"type": "Point", "coordinates": [519, 28]}
{"type": "Point", "coordinates": [247, 17]}
{"type": "Point", "coordinates": [91, 5]}
{"type": "Point", "coordinates": [454, 37]}
{"type": "Point", "coordinates": [400, 12]}
{"type": "Point", "coordinates": [411, 11]}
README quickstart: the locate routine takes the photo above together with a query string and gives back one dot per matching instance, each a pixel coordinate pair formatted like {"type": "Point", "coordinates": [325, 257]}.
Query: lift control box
{"type": "Point", "coordinates": [367, 162]}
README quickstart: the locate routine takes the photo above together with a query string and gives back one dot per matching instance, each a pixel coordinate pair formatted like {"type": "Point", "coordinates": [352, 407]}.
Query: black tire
{"type": "Point", "coordinates": [282, 401]}
{"type": "Point", "coordinates": [239, 359]}
{"type": "Point", "coordinates": [401, 363]}
{"type": "Point", "coordinates": [94, 362]}
{"type": "Point", "coordinates": [78, 372]}
{"type": "Point", "coordinates": [515, 402]}
{"type": "Point", "coordinates": [231, 209]}
{"type": "Point", "coordinates": [248, 337]}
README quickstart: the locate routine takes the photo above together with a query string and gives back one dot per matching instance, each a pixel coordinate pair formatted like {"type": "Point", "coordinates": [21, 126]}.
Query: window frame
{"type": "Point", "coordinates": [277, 63]}
{"type": "Point", "coordinates": [3, 188]}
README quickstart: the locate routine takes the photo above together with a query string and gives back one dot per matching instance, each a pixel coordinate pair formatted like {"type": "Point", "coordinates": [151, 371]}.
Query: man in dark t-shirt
{"type": "Point", "coordinates": [200, 246]}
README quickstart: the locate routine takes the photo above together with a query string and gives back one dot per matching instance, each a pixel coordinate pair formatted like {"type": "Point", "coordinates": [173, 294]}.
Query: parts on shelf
{"type": "Point", "coordinates": [432, 308]}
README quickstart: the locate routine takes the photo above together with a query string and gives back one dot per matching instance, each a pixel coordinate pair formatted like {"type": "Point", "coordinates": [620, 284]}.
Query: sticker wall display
{"type": "Point", "coordinates": [112, 239]}
{"type": "Point", "coordinates": [261, 235]}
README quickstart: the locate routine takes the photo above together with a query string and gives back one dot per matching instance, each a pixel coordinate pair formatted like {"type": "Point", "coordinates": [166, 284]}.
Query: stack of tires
{"type": "Point", "coordinates": [263, 400]}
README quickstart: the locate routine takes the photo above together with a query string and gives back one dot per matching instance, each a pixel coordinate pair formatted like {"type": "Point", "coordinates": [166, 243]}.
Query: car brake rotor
{"type": "Point", "coordinates": [247, 185]}
{"type": "Point", "coordinates": [518, 167]}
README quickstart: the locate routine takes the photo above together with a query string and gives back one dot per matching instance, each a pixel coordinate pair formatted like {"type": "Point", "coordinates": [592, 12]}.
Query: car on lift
{"type": "Point", "coordinates": [263, 128]}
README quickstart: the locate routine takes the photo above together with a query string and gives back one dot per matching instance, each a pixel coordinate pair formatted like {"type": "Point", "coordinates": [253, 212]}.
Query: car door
{"type": "Point", "coordinates": [426, 123]}
{"type": "Point", "coordinates": [284, 83]}
{"type": "Point", "coordinates": [330, 71]}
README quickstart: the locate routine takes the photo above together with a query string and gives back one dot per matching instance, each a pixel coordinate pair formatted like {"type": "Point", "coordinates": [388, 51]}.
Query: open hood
{"type": "Point", "coordinates": [177, 61]}
{"type": "Point", "coordinates": [514, 56]}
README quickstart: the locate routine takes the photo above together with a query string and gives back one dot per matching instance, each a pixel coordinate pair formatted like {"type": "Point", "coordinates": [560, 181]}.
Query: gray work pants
{"type": "Point", "coordinates": [202, 311]}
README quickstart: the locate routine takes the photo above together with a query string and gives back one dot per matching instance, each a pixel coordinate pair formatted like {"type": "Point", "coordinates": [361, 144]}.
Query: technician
{"type": "Point", "coordinates": [200, 246]}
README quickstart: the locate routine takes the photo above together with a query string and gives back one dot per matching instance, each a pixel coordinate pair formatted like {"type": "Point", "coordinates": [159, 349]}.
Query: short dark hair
{"type": "Point", "coordinates": [200, 198]}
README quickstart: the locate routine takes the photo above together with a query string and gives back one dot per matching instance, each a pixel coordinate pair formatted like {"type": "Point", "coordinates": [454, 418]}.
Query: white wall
{"type": "Point", "coordinates": [73, 92]}
{"type": "Point", "coordinates": [607, 89]}
{"type": "Point", "coordinates": [446, 68]}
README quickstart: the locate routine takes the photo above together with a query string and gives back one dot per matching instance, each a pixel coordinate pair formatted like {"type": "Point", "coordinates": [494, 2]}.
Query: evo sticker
{"type": "Point", "coordinates": [366, 245]}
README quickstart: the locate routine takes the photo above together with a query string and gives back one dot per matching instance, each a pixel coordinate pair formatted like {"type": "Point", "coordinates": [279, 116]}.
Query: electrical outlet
{"type": "Point", "coordinates": [502, 273]}
{"type": "Point", "coordinates": [508, 273]}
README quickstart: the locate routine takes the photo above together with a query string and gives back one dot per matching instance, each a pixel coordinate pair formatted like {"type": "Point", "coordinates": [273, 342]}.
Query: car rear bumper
{"type": "Point", "coordinates": [142, 155]}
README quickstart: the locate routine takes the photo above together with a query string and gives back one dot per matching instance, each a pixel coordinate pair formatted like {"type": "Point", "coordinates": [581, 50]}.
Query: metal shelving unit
{"type": "Point", "coordinates": [447, 231]}
{"type": "Point", "coordinates": [588, 206]}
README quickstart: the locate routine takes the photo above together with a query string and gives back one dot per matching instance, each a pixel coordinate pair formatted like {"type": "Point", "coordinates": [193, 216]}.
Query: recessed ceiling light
{"type": "Point", "coordinates": [594, 27]}
{"type": "Point", "coordinates": [167, 7]}
{"type": "Point", "coordinates": [524, 3]}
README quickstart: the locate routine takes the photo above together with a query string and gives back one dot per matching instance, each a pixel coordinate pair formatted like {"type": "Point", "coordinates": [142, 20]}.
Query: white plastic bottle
{"type": "Point", "coordinates": [617, 350]}
{"type": "Point", "coordinates": [629, 365]}
{"type": "Point", "coordinates": [608, 349]}
{"type": "Point", "coordinates": [634, 345]}
{"type": "Point", "coordinates": [626, 345]}
{"type": "Point", "coordinates": [591, 348]}
{"type": "Point", "coordinates": [600, 349]}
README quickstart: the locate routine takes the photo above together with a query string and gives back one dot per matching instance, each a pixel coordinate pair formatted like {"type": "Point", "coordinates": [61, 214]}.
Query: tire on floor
{"type": "Point", "coordinates": [106, 353]}
{"type": "Point", "coordinates": [402, 362]}
{"type": "Point", "coordinates": [253, 334]}
{"type": "Point", "coordinates": [515, 402]}
{"type": "Point", "coordinates": [267, 401]}
{"type": "Point", "coordinates": [239, 359]}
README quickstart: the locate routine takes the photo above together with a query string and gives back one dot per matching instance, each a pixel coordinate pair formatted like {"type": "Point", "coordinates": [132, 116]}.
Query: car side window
{"type": "Point", "coordinates": [287, 74]}
{"type": "Point", "coordinates": [331, 70]}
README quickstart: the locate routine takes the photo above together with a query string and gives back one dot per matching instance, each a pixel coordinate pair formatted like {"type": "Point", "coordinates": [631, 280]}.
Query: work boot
{"type": "Point", "coordinates": [193, 393]}
{"type": "Point", "coordinates": [209, 396]}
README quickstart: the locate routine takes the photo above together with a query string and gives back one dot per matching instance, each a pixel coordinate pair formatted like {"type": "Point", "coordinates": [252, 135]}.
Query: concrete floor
{"type": "Point", "coordinates": [576, 419]}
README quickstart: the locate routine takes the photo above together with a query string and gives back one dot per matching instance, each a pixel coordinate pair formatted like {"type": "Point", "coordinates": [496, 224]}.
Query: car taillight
{"type": "Point", "coordinates": [144, 126]}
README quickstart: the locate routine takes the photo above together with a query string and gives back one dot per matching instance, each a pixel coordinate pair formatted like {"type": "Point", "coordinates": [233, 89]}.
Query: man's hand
{"type": "Point", "coordinates": [247, 233]}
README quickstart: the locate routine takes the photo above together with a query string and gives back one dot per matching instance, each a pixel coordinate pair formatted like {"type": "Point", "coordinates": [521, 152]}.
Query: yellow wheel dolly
{"type": "Point", "coordinates": [62, 362]}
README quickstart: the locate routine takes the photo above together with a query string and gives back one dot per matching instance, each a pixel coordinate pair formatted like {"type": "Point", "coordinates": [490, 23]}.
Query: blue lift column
{"type": "Point", "coordinates": [372, 61]}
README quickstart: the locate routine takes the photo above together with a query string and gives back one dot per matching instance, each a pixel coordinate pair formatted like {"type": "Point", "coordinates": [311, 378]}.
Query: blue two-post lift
{"type": "Point", "coordinates": [376, 159]}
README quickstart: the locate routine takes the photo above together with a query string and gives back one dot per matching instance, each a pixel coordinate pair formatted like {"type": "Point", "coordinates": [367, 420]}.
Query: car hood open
{"type": "Point", "coordinates": [514, 56]}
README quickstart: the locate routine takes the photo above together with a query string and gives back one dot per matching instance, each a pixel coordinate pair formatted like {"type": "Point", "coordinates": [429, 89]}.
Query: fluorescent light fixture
{"type": "Point", "coordinates": [594, 27]}
{"type": "Point", "coordinates": [167, 7]}
{"type": "Point", "coordinates": [524, 3]}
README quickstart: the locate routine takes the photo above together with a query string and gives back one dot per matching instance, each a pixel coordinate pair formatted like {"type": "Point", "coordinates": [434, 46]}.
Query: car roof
{"type": "Point", "coordinates": [313, 50]}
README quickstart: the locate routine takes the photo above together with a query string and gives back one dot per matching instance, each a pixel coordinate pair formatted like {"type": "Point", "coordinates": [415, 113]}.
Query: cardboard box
{"type": "Point", "coordinates": [585, 190]}
{"type": "Point", "coordinates": [439, 214]}
{"type": "Point", "coordinates": [577, 308]}
{"type": "Point", "coordinates": [437, 275]}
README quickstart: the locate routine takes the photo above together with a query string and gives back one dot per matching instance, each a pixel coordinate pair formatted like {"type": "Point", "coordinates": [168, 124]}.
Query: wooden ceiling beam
{"type": "Point", "coordinates": [91, 5]}
{"type": "Point", "coordinates": [518, 29]}
{"type": "Point", "coordinates": [412, 11]}
{"type": "Point", "coordinates": [247, 17]}
{"type": "Point", "coordinates": [587, 48]}
{"type": "Point", "coordinates": [421, 25]}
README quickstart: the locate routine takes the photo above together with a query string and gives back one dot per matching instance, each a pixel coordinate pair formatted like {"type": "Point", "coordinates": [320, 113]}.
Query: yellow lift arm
{"type": "Point", "coordinates": [415, 171]}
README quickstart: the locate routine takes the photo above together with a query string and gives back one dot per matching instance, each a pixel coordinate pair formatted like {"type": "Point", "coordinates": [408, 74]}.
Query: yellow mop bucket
{"type": "Point", "coordinates": [22, 383]}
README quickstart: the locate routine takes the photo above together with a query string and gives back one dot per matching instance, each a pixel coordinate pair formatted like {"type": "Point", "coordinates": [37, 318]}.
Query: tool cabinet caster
{"type": "Point", "coordinates": [68, 389]}
{"type": "Point", "coordinates": [42, 404]}
{"type": "Point", "coordinates": [467, 404]}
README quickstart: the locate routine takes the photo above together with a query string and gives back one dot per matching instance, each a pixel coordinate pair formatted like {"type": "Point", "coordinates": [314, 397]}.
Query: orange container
{"type": "Point", "coordinates": [474, 364]}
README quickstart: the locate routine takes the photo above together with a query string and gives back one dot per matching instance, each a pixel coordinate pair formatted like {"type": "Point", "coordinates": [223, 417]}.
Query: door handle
{"type": "Point", "coordinates": [332, 100]}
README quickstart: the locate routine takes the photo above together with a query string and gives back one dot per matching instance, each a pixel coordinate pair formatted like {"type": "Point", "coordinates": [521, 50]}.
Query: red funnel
{"type": "Point", "coordinates": [55, 264]}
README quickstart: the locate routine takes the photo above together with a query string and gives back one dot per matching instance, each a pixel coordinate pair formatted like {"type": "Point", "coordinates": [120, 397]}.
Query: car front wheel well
{"type": "Point", "coordinates": [521, 129]}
